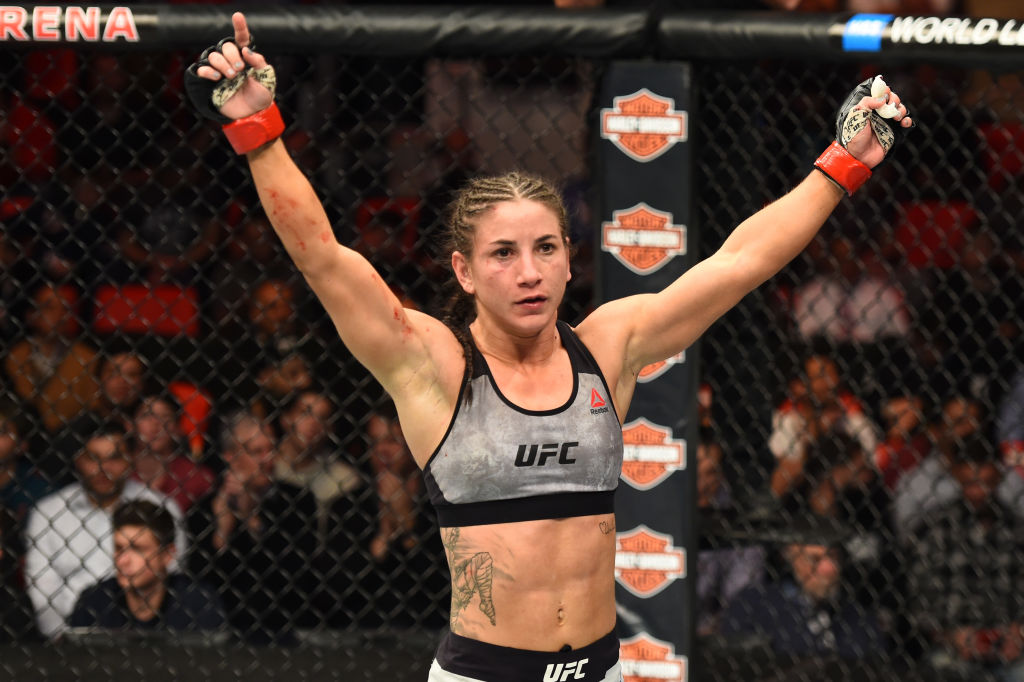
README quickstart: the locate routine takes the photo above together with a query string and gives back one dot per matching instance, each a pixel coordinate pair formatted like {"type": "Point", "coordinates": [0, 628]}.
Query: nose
{"type": "Point", "coordinates": [529, 275]}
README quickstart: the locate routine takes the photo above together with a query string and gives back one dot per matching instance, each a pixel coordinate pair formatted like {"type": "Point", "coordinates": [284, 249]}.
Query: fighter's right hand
{"type": "Point", "coordinates": [230, 80]}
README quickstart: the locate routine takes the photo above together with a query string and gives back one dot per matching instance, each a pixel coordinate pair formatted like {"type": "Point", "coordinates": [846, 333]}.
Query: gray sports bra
{"type": "Point", "coordinates": [500, 463]}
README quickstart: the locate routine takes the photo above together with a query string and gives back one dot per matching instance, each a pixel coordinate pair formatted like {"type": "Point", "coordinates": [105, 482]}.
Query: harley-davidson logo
{"type": "Point", "coordinates": [643, 125]}
{"type": "Point", "coordinates": [646, 659]}
{"type": "Point", "coordinates": [650, 454]}
{"type": "Point", "coordinates": [646, 562]}
{"type": "Point", "coordinates": [654, 370]}
{"type": "Point", "coordinates": [643, 238]}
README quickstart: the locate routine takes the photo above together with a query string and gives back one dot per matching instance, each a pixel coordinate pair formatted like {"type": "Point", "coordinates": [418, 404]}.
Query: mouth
{"type": "Point", "coordinates": [532, 302]}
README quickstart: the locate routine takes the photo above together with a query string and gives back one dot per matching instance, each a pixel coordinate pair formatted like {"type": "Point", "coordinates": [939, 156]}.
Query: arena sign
{"type": "Point", "coordinates": [643, 125]}
{"type": "Point", "coordinates": [643, 238]}
{"type": "Point", "coordinates": [646, 561]}
{"type": "Point", "coordinates": [650, 453]}
{"type": "Point", "coordinates": [73, 23]}
{"type": "Point", "coordinates": [957, 31]}
{"type": "Point", "coordinates": [646, 659]}
{"type": "Point", "coordinates": [656, 369]}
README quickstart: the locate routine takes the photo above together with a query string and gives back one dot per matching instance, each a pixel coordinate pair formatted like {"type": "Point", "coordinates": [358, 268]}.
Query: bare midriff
{"type": "Point", "coordinates": [537, 585]}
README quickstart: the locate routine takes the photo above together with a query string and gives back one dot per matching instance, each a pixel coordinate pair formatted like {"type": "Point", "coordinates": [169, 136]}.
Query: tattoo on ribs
{"type": "Point", "coordinates": [472, 576]}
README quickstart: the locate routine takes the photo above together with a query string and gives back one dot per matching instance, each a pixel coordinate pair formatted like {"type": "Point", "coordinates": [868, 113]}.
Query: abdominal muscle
{"type": "Point", "coordinates": [536, 585]}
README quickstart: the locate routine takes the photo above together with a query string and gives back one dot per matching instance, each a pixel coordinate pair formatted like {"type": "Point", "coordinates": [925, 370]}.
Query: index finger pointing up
{"type": "Point", "coordinates": [242, 36]}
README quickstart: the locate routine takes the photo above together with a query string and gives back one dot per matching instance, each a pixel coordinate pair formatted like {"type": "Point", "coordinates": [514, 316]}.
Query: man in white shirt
{"type": "Point", "coordinates": [69, 534]}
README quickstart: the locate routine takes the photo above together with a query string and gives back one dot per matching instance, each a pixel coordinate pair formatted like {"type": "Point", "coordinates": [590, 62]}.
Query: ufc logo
{"type": "Point", "coordinates": [560, 672]}
{"type": "Point", "coordinates": [530, 453]}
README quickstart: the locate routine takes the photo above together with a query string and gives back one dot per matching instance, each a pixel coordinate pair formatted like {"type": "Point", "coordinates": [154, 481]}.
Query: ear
{"type": "Point", "coordinates": [461, 268]}
{"type": "Point", "coordinates": [168, 553]}
{"type": "Point", "coordinates": [568, 259]}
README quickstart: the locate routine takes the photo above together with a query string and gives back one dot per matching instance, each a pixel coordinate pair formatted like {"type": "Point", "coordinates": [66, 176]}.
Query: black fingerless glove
{"type": "Point", "coordinates": [200, 90]}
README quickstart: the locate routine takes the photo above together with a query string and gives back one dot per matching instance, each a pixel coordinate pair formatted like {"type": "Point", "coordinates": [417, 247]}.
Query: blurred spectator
{"type": "Point", "coordinates": [121, 382]}
{"type": "Point", "coordinates": [398, 483]}
{"type": "Point", "coordinates": [251, 254]}
{"type": "Point", "coordinates": [852, 299]}
{"type": "Point", "coordinates": [122, 375]}
{"type": "Point", "coordinates": [932, 485]}
{"type": "Point", "coordinates": [21, 485]}
{"type": "Point", "coordinates": [818, 406]}
{"type": "Point", "coordinates": [69, 234]}
{"type": "Point", "coordinates": [264, 359]}
{"type": "Point", "coordinates": [722, 572]}
{"type": "Point", "coordinates": [841, 484]}
{"type": "Point", "coordinates": [172, 230]}
{"type": "Point", "coordinates": [16, 619]}
{"type": "Point", "coordinates": [53, 371]}
{"type": "Point", "coordinates": [306, 459]}
{"type": "Point", "coordinates": [144, 594]}
{"type": "Point", "coordinates": [159, 452]}
{"type": "Point", "coordinates": [69, 534]}
{"type": "Point", "coordinates": [808, 613]}
{"type": "Point", "coordinates": [965, 566]}
{"type": "Point", "coordinates": [256, 539]}
{"type": "Point", "coordinates": [974, 310]}
{"type": "Point", "coordinates": [906, 442]}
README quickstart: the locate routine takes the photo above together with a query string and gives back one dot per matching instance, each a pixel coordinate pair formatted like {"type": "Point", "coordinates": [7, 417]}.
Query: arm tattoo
{"type": "Point", "coordinates": [606, 527]}
{"type": "Point", "coordinates": [472, 575]}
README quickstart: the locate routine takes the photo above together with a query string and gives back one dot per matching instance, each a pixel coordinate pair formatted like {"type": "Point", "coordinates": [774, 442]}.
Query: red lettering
{"type": "Point", "coordinates": [82, 24]}
{"type": "Point", "coordinates": [46, 23]}
{"type": "Point", "coordinates": [12, 23]}
{"type": "Point", "coordinates": [121, 24]}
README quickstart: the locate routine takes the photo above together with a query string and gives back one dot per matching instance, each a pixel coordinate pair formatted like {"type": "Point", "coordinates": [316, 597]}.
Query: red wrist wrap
{"type": "Point", "coordinates": [252, 132]}
{"type": "Point", "coordinates": [841, 168]}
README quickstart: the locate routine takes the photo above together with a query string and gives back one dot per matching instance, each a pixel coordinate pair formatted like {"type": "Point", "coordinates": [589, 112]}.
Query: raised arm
{"type": "Point", "coordinates": [657, 326]}
{"type": "Point", "coordinates": [234, 85]}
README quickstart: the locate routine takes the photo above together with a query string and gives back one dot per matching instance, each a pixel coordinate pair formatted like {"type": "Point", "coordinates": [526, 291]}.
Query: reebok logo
{"type": "Point", "coordinates": [597, 405]}
{"type": "Point", "coordinates": [536, 453]}
{"type": "Point", "coordinates": [560, 672]}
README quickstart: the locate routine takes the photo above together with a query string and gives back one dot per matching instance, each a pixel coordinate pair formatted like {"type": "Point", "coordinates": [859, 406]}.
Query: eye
{"type": "Point", "coordinates": [503, 252]}
{"type": "Point", "coordinates": [547, 247]}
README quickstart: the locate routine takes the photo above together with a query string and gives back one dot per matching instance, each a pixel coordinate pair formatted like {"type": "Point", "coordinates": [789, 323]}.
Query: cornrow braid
{"type": "Point", "coordinates": [474, 199]}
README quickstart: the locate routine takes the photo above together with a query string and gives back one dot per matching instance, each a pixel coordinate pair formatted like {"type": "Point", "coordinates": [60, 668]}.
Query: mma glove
{"type": "Point", "coordinates": [207, 96]}
{"type": "Point", "coordinates": [836, 162]}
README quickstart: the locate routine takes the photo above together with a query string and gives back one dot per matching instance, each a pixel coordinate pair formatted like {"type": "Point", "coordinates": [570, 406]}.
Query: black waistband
{"type": "Point", "coordinates": [481, 661]}
{"type": "Point", "coordinates": [556, 506]}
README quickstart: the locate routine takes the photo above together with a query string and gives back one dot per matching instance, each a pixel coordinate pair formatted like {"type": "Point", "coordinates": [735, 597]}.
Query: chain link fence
{"type": "Point", "coordinates": [860, 481]}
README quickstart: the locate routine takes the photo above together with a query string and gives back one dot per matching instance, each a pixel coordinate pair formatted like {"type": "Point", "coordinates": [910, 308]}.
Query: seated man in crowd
{"type": "Point", "coordinates": [965, 568]}
{"type": "Point", "coordinates": [159, 454]}
{"type": "Point", "coordinates": [70, 536]}
{"type": "Point", "coordinates": [255, 540]}
{"type": "Point", "coordinates": [931, 484]}
{"type": "Point", "coordinates": [144, 594]}
{"type": "Point", "coordinates": [809, 614]}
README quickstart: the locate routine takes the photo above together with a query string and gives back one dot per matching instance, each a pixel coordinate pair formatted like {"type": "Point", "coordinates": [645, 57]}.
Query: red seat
{"type": "Point", "coordinates": [406, 207]}
{"type": "Point", "coordinates": [31, 138]}
{"type": "Point", "coordinates": [164, 310]}
{"type": "Point", "coordinates": [1004, 152]}
{"type": "Point", "coordinates": [196, 407]}
{"type": "Point", "coordinates": [931, 233]}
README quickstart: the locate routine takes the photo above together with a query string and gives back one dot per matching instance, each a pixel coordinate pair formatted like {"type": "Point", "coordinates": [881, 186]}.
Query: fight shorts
{"type": "Point", "coordinates": [460, 659]}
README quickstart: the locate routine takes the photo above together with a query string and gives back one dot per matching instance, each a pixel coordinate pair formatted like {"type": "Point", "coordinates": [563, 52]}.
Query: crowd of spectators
{"type": "Point", "coordinates": [300, 507]}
